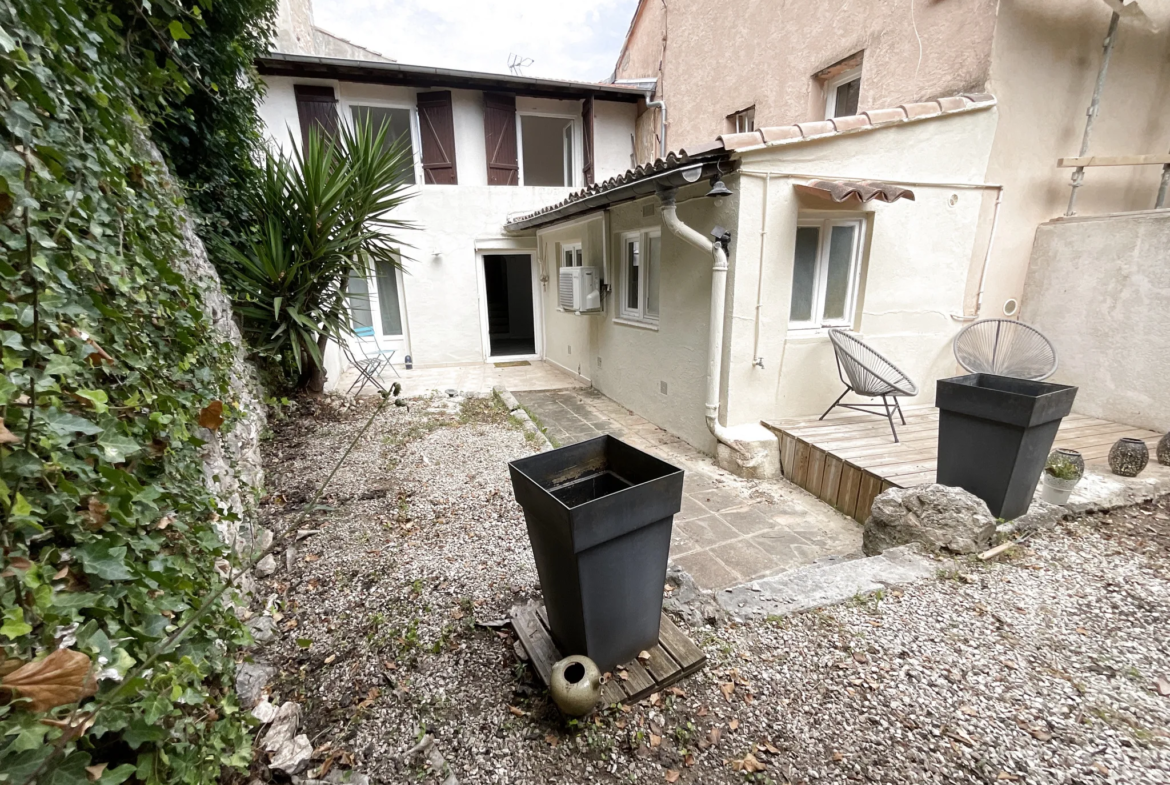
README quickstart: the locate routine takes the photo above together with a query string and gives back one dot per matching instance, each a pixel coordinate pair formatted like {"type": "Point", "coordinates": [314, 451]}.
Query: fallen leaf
{"type": "Point", "coordinates": [733, 724]}
{"type": "Point", "coordinates": [79, 725]}
{"type": "Point", "coordinates": [457, 614]}
{"type": "Point", "coordinates": [860, 656]}
{"type": "Point", "coordinates": [655, 698]}
{"type": "Point", "coordinates": [96, 512]}
{"type": "Point", "coordinates": [713, 736]}
{"type": "Point", "coordinates": [552, 739]}
{"type": "Point", "coordinates": [727, 688]}
{"type": "Point", "coordinates": [59, 574]}
{"type": "Point", "coordinates": [655, 740]}
{"type": "Point", "coordinates": [1040, 734]}
{"type": "Point", "coordinates": [748, 698]}
{"type": "Point", "coordinates": [677, 692]}
{"type": "Point", "coordinates": [1003, 775]}
{"type": "Point", "coordinates": [643, 657]}
{"type": "Point", "coordinates": [211, 416]}
{"type": "Point", "coordinates": [838, 757]}
{"type": "Point", "coordinates": [7, 436]}
{"type": "Point", "coordinates": [164, 522]}
{"type": "Point", "coordinates": [518, 712]}
{"type": "Point", "coordinates": [330, 658]}
{"type": "Point", "coordinates": [8, 666]}
{"type": "Point", "coordinates": [672, 775]}
{"type": "Point", "coordinates": [748, 763]}
{"type": "Point", "coordinates": [62, 677]}
{"type": "Point", "coordinates": [95, 772]}
{"type": "Point", "coordinates": [623, 675]}
{"type": "Point", "coordinates": [311, 557]}
{"type": "Point", "coordinates": [702, 712]}
{"type": "Point", "coordinates": [688, 760]}
{"type": "Point", "coordinates": [768, 747]}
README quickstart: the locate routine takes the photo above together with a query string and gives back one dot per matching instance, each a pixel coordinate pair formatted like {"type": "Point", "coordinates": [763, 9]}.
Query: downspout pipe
{"type": "Point", "coordinates": [718, 251]}
{"type": "Point", "coordinates": [660, 104]}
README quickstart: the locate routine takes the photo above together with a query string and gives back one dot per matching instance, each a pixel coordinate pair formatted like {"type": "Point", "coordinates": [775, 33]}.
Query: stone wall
{"type": "Point", "coordinates": [1099, 288]}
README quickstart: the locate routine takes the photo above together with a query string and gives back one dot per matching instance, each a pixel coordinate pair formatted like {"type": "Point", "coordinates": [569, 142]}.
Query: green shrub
{"type": "Point", "coordinates": [108, 535]}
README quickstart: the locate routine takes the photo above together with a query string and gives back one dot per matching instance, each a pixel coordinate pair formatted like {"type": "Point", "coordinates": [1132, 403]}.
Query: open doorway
{"type": "Point", "coordinates": [508, 286]}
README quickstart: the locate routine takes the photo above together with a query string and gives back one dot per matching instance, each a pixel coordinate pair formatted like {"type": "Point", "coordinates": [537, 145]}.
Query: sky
{"type": "Point", "coordinates": [566, 39]}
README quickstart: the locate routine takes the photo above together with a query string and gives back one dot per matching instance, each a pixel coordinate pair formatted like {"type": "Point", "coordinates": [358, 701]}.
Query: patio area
{"type": "Point", "coordinates": [471, 378]}
{"type": "Point", "coordinates": [848, 458]}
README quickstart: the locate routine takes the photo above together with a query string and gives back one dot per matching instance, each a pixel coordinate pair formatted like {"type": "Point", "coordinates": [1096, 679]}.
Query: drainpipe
{"type": "Point", "coordinates": [661, 105]}
{"type": "Point", "coordinates": [1079, 173]}
{"type": "Point", "coordinates": [718, 251]}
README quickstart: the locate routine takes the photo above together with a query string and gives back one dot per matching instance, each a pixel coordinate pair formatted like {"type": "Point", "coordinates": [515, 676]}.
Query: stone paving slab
{"type": "Point", "coordinates": [729, 530]}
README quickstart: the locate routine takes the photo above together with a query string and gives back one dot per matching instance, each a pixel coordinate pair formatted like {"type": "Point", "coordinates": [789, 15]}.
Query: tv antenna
{"type": "Point", "coordinates": [516, 64]}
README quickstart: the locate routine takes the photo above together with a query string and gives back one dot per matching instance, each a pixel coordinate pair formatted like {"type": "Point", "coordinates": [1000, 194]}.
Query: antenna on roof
{"type": "Point", "coordinates": [516, 64]}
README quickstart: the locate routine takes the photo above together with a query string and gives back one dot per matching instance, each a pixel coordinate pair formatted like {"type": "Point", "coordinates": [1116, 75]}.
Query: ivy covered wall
{"type": "Point", "coordinates": [129, 418]}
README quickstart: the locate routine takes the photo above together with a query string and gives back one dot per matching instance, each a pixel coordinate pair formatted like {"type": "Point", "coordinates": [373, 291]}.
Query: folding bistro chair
{"type": "Point", "coordinates": [371, 363]}
{"type": "Point", "coordinates": [866, 372]}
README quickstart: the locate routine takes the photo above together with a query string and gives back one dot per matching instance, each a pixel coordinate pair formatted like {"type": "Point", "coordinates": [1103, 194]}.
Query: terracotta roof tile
{"type": "Point", "coordinates": [980, 98]}
{"type": "Point", "coordinates": [951, 103]}
{"type": "Point", "coordinates": [818, 128]}
{"type": "Point", "coordinates": [780, 133]}
{"type": "Point", "coordinates": [923, 109]}
{"type": "Point", "coordinates": [850, 122]}
{"type": "Point", "coordinates": [736, 141]}
{"type": "Point", "coordinates": [884, 116]}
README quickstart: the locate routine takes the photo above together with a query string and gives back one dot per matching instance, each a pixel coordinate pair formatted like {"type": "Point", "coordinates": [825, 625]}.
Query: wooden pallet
{"type": "Point", "coordinates": [673, 659]}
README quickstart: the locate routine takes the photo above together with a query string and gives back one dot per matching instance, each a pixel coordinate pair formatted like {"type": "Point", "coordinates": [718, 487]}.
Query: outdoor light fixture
{"type": "Point", "coordinates": [718, 188]}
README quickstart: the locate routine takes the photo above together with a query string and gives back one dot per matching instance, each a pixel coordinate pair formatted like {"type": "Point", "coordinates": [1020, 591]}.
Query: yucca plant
{"type": "Point", "coordinates": [327, 213]}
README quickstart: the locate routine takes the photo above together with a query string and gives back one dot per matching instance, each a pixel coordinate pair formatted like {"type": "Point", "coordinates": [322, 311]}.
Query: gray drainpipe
{"type": "Point", "coordinates": [659, 104]}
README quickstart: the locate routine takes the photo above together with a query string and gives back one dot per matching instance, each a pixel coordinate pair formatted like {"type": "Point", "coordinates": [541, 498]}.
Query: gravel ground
{"type": "Point", "coordinates": [1051, 666]}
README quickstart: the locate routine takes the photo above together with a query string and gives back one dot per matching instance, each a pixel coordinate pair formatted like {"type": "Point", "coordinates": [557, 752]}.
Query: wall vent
{"type": "Point", "coordinates": [662, 387]}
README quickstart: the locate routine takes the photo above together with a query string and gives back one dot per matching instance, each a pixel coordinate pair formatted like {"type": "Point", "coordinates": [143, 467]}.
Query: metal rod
{"type": "Point", "coordinates": [1079, 173]}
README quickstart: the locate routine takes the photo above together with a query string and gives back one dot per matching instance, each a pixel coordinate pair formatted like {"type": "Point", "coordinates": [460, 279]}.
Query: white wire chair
{"type": "Point", "coordinates": [1005, 347]}
{"type": "Point", "coordinates": [866, 372]}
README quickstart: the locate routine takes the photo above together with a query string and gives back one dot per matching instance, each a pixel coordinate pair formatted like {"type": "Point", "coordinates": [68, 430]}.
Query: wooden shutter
{"type": "Point", "coordinates": [316, 105]}
{"type": "Point", "coordinates": [499, 125]}
{"type": "Point", "coordinates": [587, 138]}
{"type": "Point", "coordinates": [437, 134]}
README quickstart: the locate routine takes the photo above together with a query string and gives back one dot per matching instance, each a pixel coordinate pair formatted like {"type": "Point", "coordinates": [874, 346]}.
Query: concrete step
{"type": "Point", "coordinates": [826, 582]}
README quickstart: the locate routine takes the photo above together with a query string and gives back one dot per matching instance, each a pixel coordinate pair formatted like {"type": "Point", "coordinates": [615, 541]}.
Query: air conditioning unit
{"type": "Point", "coordinates": [579, 289]}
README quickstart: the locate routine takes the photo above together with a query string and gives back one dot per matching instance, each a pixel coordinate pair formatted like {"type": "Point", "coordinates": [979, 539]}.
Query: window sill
{"type": "Point", "coordinates": [642, 325]}
{"type": "Point", "coordinates": [812, 333]}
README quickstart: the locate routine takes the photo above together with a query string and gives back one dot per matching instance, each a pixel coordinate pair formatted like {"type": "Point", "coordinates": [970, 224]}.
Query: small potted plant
{"type": "Point", "coordinates": [1062, 472]}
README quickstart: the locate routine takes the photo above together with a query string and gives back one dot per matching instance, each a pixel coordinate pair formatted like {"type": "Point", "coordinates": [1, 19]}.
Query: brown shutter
{"type": "Point", "coordinates": [316, 105]}
{"type": "Point", "coordinates": [587, 138]}
{"type": "Point", "coordinates": [499, 124]}
{"type": "Point", "coordinates": [437, 134]}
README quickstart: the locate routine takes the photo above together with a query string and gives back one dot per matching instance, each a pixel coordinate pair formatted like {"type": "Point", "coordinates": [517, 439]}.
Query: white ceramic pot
{"type": "Point", "coordinates": [1055, 490]}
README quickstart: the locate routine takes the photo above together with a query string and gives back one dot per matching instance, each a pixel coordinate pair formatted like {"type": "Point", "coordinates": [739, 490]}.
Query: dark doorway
{"type": "Point", "coordinates": [508, 284]}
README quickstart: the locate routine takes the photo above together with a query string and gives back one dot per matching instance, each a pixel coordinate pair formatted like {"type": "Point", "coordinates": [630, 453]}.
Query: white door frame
{"type": "Point", "coordinates": [537, 307]}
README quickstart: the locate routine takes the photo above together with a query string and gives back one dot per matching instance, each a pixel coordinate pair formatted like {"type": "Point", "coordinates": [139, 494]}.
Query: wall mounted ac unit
{"type": "Point", "coordinates": [579, 289]}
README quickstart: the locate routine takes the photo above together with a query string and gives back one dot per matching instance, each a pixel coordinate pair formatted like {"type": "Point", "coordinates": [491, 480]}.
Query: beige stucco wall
{"type": "Point", "coordinates": [766, 53]}
{"type": "Point", "coordinates": [1099, 288]}
{"type": "Point", "coordinates": [1046, 57]}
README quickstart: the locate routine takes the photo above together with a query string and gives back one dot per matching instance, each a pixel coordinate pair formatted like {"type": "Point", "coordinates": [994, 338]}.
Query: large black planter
{"type": "Point", "coordinates": [599, 515]}
{"type": "Point", "coordinates": [994, 434]}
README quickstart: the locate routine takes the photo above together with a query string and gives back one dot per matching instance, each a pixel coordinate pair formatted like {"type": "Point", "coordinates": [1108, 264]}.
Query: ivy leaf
{"type": "Point", "coordinates": [6, 42]}
{"type": "Point", "coordinates": [104, 561]}
{"type": "Point", "coordinates": [178, 32]}
{"type": "Point", "coordinates": [63, 423]}
{"type": "Point", "coordinates": [97, 398]}
{"type": "Point", "coordinates": [156, 707]}
{"type": "Point", "coordinates": [61, 678]}
{"type": "Point", "coordinates": [117, 776]}
{"type": "Point", "coordinates": [116, 447]}
{"type": "Point", "coordinates": [14, 624]}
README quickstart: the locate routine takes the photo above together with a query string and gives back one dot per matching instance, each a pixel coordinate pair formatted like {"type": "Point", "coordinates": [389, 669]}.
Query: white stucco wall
{"type": "Point", "coordinates": [613, 130]}
{"type": "Point", "coordinates": [443, 277]}
{"type": "Point", "coordinates": [1099, 288]}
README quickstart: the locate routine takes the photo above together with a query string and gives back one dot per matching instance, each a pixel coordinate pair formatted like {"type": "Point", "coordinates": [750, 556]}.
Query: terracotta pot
{"type": "Point", "coordinates": [1164, 450]}
{"type": "Point", "coordinates": [1128, 457]}
{"type": "Point", "coordinates": [575, 685]}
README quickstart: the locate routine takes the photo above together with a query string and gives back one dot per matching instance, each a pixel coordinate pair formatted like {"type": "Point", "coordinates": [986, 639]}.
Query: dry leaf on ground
{"type": "Point", "coordinates": [748, 763]}
{"type": "Point", "coordinates": [7, 436]}
{"type": "Point", "coordinates": [672, 775]}
{"type": "Point", "coordinates": [211, 416]}
{"type": "Point", "coordinates": [62, 677]}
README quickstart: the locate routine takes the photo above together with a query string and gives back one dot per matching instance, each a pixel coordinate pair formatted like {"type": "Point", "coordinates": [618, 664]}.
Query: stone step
{"type": "Point", "coordinates": [826, 582]}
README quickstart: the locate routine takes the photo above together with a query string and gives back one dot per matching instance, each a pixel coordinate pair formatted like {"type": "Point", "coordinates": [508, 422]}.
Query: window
{"type": "Point", "coordinates": [384, 296]}
{"type": "Point", "coordinates": [571, 255]}
{"type": "Point", "coordinates": [546, 150]}
{"type": "Point", "coordinates": [744, 121]}
{"type": "Point", "coordinates": [841, 94]}
{"type": "Point", "coordinates": [396, 120]}
{"type": "Point", "coordinates": [641, 269]}
{"type": "Point", "coordinates": [825, 272]}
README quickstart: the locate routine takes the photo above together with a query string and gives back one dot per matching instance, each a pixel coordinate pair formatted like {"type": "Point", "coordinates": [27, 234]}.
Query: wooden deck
{"type": "Point", "coordinates": [849, 457]}
{"type": "Point", "coordinates": [673, 659]}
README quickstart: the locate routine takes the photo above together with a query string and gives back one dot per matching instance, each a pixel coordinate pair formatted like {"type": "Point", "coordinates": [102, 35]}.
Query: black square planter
{"type": "Point", "coordinates": [994, 434]}
{"type": "Point", "coordinates": [599, 516]}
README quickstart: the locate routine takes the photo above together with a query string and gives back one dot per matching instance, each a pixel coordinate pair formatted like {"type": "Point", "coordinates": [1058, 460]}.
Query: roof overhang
{"type": "Point", "coordinates": [638, 184]}
{"type": "Point", "coordinates": [370, 72]}
{"type": "Point", "coordinates": [854, 190]}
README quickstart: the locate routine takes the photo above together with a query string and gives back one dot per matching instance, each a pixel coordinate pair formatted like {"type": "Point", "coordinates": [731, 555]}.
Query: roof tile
{"type": "Point", "coordinates": [953, 103]}
{"type": "Point", "coordinates": [884, 116]}
{"type": "Point", "coordinates": [737, 141]}
{"type": "Point", "coordinates": [781, 133]}
{"type": "Point", "coordinates": [924, 109]}
{"type": "Point", "coordinates": [850, 122]}
{"type": "Point", "coordinates": [817, 128]}
{"type": "Point", "coordinates": [980, 98]}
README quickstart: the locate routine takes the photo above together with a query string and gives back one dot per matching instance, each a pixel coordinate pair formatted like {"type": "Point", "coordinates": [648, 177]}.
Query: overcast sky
{"type": "Point", "coordinates": [566, 39]}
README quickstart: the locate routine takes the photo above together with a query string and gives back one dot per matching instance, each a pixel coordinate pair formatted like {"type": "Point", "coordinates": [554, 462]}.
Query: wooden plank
{"type": "Point", "coordinates": [1114, 160]}
{"type": "Point", "coordinates": [679, 646]}
{"type": "Point", "coordinates": [535, 638]}
{"type": "Point", "coordinates": [831, 479]}
{"type": "Point", "coordinates": [911, 480]}
{"type": "Point", "coordinates": [612, 692]}
{"type": "Point", "coordinates": [788, 454]}
{"type": "Point", "coordinates": [801, 463]}
{"type": "Point", "coordinates": [816, 467]}
{"type": "Point", "coordinates": [865, 496]}
{"type": "Point", "coordinates": [639, 680]}
{"type": "Point", "coordinates": [660, 665]}
{"type": "Point", "coordinates": [847, 492]}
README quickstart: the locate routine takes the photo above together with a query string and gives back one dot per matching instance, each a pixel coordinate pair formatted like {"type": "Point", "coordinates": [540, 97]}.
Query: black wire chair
{"type": "Point", "coordinates": [866, 372]}
{"type": "Point", "coordinates": [1005, 347]}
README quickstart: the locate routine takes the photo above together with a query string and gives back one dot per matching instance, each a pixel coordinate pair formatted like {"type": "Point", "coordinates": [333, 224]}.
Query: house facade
{"type": "Point", "coordinates": [486, 147]}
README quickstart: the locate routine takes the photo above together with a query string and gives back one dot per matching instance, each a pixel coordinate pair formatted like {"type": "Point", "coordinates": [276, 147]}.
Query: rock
{"type": "Point", "coordinates": [288, 752]}
{"type": "Point", "coordinates": [251, 679]}
{"type": "Point", "coordinates": [264, 711]}
{"type": "Point", "coordinates": [263, 629]}
{"type": "Point", "coordinates": [266, 566]}
{"type": "Point", "coordinates": [694, 605]}
{"type": "Point", "coordinates": [939, 517]}
{"type": "Point", "coordinates": [1041, 515]}
{"type": "Point", "coordinates": [290, 557]}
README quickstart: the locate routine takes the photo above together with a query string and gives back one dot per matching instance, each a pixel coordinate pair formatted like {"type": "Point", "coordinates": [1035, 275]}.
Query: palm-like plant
{"type": "Point", "coordinates": [327, 214]}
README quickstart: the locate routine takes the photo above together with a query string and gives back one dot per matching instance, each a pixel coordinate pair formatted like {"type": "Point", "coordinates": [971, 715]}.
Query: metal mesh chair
{"type": "Point", "coordinates": [1005, 347]}
{"type": "Point", "coordinates": [866, 372]}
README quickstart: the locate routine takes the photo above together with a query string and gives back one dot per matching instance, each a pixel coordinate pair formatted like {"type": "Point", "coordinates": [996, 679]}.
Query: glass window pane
{"type": "Point", "coordinates": [398, 127]}
{"type": "Point", "coordinates": [568, 258]}
{"type": "Point", "coordinates": [804, 273]}
{"type": "Point", "coordinates": [387, 281]}
{"type": "Point", "coordinates": [580, 258]}
{"type": "Point", "coordinates": [359, 304]}
{"type": "Point", "coordinates": [846, 100]}
{"type": "Point", "coordinates": [840, 267]}
{"type": "Point", "coordinates": [632, 297]}
{"type": "Point", "coordinates": [653, 266]}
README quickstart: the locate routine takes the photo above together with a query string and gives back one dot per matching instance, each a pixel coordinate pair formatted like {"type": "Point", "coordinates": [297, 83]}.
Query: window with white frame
{"type": "Point", "coordinates": [825, 272]}
{"type": "Point", "coordinates": [546, 150]}
{"type": "Point", "coordinates": [571, 255]}
{"type": "Point", "coordinates": [641, 269]}
{"type": "Point", "coordinates": [744, 121]}
{"type": "Point", "coordinates": [397, 122]}
{"type": "Point", "coordinates": [842, 93]}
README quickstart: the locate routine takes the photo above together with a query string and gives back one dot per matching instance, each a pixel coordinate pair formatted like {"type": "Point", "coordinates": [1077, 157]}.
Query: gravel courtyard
{"type": "Point", "coordinates": [1051, 665]}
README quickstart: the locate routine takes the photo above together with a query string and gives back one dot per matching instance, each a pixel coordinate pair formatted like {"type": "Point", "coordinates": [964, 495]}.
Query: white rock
{"type": "Point", "coordinates": [265, 566]}
{"type": "Point", "coordinates": [941, 518]}
{"type": "Point", "coordinates": [251, 679]}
